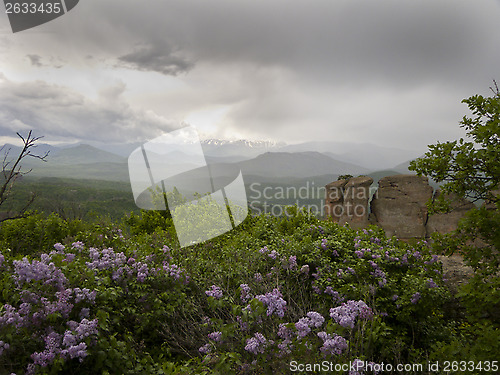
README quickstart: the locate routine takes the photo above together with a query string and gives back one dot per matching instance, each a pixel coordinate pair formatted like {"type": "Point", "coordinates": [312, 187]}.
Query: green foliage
{"type": "Point", "coordinates": [471, 169]}
{"type": "Point", "coordinates": [154, 315]}
{"type": "Point", "coordinates": [34, 233]}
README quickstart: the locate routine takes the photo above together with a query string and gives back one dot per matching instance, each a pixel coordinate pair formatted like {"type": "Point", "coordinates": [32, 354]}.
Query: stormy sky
{"type": "Point", "coordinates": [388, 72]}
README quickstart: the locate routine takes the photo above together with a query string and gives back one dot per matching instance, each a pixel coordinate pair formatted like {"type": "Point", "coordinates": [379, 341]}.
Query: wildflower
{"type": "Point", "coordinates": [215, 336]}
{"type": "Point", "coordinates": [316, 318]}
{"type": "Point", "coordinates": [346, 314]}
{"type": "Point", "coordinates": [292, 262]}
{"type": "Point", "coordinates": [332, 344]}
{"type": "Point", "coordinates": [415, 297]}
{"type": "Point", "coordinates": [273, 254]}
{"type": "Point", "coordinates": [3, 346]}
{"type": "Point", "coordinates": [258, 277]}
{"type": "Point", "coordinates": [215, 292]}
{"type": "Point", "coordinates": [304, 269]}
{"type": "Point", "coordinates": [263, 250]}
{"type": "Point", "coordinates": [302, 327]}
{"type": "Point", "coordinates": [79, 245]}
{"type": "Point", "coordinates": [59, 247]}
{"type": "Point", "coordinates": [256, 344]}
{"type": "Point", "coordinates": [205, 349]}
{"type": "Point", "coordinates": [431, 283]}
{"type": "Point", "coordinates": [245, 292]}
{"type": "Point", "coordinates": [274, 302]}
{"type": "Point", "coordinates": [284, 332]}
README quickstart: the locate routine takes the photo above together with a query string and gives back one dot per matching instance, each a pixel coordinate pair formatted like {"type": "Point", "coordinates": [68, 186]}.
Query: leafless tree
{"type": "Point", "coordinates": [12, 171]}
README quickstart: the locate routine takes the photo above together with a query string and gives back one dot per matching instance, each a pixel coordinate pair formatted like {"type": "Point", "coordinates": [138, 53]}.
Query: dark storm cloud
{"type": "Point", "coordinates": [59, 113]}
{"type": "Point", "coordinates": [343, 67]}
{"type": "Point", "coordinates": [156, 58]}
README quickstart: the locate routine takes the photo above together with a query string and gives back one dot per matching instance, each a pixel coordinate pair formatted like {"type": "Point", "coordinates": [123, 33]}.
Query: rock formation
{"type": "Point", "coordinates": [334, 199]}
{"type": "Point", "coordinates": [356, 202]}
{"type": "Point", "coordinates": [399, 205]}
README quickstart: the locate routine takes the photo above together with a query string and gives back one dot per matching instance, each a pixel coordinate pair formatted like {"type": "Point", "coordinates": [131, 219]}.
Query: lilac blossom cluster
{"type": "Point", "coordinates": [274, 302]}
{"type": "Point", "coordinates": [67, 346]}
{"type": "Point", "coordinates": [246, 293]}
{"type": "Point", "coordinates": [312, 320]}
{"type": "Point", "coordinates": [105, 259]}
{"type": "Point", "coordinates": [346, 314]}
{"type": "Point", "coordinates": [35, 309]}
{"type": "Point", "coordinates": [214, 292]}
{"type": "Point", "coordinates": [3, 346]}
{"type": "Point", "coordinates": [256, 344]}
{"type": "Point", "coordinates": [333, 344]}
{"type": "Point", "coordinates": [44, 270]}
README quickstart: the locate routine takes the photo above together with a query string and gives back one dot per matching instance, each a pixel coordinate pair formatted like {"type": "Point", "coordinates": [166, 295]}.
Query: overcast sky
{"type": "Point", "coordinates": [389, 72]}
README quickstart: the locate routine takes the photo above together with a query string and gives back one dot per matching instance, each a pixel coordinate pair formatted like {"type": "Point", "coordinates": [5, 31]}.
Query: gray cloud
{"type": "Point", "coordinates": [386, 71]}
{"type": "Point", "coordinates": [156, 58]}
{"type": "Point", "coordinates": [57, 112]}
{"type": "Point", "coordinates": [35, 60]}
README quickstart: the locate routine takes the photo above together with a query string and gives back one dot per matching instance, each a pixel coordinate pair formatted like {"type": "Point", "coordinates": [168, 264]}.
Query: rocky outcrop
{"type": "Point", "coordinates": [448, 222]}
{"type": "Point", "coordinates": [399, 206]}
{"type": "Point", "coordinates": [334, 199]}
{"type": "Point", "coordinates": [356, 200]}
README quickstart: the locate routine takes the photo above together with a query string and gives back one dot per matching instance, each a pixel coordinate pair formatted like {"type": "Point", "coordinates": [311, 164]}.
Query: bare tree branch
{"type": "Point", "coordinates": [12, 170]}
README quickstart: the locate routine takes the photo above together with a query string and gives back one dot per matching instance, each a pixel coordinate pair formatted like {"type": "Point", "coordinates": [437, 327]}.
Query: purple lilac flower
{"type": "Point", "coordinates": [3, 346]}
{"type": "Point", "coordinates": [59, 247]}
{"type": "Point", "coordinates": [415, 297]}
{"type": "Point", "coordinates": [431, 283]}
{"type": "Point", "coordinates": [205, 349]}
{"type": "Point", "coordinates": [105, 259]}
{"type": "Point", "coordinates": [2, 259]}
{"type": "Point", "coordinates": [323, 244]}
{"type": "Point", "coordinates": [79, 245]}
{"type": "Point", "coordinates": [75, 351]}
{"type": "Point", "coordinates": [316, 319]}
{"type": "Point", "coordinates": [26, 271]}
{"type": "Point", "coordinates": [302, 327]}
{"type": "Point", "coordinates": [263, 250]}
{"type": "Point", "coordinates": [243, 325]}
{"type": "Point", "coordinates": [304, 269]}
{"type": "Point", "coordinates": [284, 332]}
{"type": "Point", "coordinates": [215, 336]}
{"type": "Point", "coordinates": [273, 254]}
{"type": "Point", "coordinates": [256, 344]}
{"type": "Point", "coordinates": [274, 302]}
{"type": "Point", "coordinates": [246, 292]}
{"type": "Point", "coordinates": [258, 277]}
{"type": "Point", "coordinates": [215, 292]}
{"type": "Point", "coordinates": [333, 344]}
{"type": "Point", "coordinates": [346, 314]}
{"type": "Point", "coordinates": [292, 262]}
{"type": "Point", "coordinates": [395, 297]}
{"type": "Point", "coordinates": [285, 347]}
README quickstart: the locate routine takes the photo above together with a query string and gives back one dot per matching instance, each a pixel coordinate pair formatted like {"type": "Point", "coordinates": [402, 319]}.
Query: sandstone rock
{"type": "Point", "coordinates": [448, 222]}
{"type": "Point", "coordinates": [356, 198]}
{"type": "Point", "coordinates": [334, 199]}
{"type": "Point", "coordinates": [399, 205]}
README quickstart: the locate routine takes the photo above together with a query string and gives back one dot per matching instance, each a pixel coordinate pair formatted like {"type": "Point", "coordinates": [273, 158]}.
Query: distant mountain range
{"type": "Point", "coordinates": [259, 159]}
